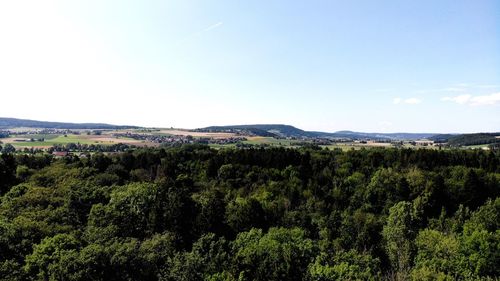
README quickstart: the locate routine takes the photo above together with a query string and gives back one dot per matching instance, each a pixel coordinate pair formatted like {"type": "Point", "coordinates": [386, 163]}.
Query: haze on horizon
{"type": "Point", "coordinates": [375, 66]}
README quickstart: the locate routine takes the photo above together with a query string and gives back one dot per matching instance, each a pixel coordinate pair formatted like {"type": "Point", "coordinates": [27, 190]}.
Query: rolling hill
{"type": "Point", "coordinates": [474, 139]}
{"type": "Point", "coordinates": [282, 130]}
{"type": "Point", "coordinates": [263, 130]}
{"type": "Point", "coordinates": [6, 123]}
{"type": "Point", "coordinates": [275, 130]}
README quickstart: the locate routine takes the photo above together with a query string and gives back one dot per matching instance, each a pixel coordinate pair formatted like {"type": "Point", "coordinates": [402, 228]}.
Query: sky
{"type": "Point", "coordinates": [374, 66]}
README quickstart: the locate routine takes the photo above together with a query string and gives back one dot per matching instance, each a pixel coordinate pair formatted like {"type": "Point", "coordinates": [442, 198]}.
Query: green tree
{"type": "Point", "coordinates": [208, 257]}
{"type": "Point", "coordinates": [398, 234]}
{"type": "Point", "coordinates": [280, 254]}
{"type": "Point", "coordinates": [343, 265]}
{"type": "Point", "coordinates": [7, 172]}
{"type": "Point", "coordinates": [386, 187]}
{"type": "Point", "coordinates": [480, 241]}
{"type": "Point", "coordinates": [437, 256]}
{"type": "Point", "coordinates": [8, 148]}
{"type": "Point", "coordinates": [45, 261]}
{"type": "Point", "coordinates": [244, 213]}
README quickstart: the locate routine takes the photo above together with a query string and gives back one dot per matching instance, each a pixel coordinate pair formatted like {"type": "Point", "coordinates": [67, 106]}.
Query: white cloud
{"type": "Point", "coordinates": [460, 87]}
{"type": "Point", "coordinates": [488, 86]}
{"type": "Point", "coordinates": [486, 100]}
{"type": "Point", "coordinates": [412, 101]}
{"type": "Point", "coordinates": [461, 99]}
{"type": "Point", "coordinates": [491, 99]}
{"type": "Point", "coordinates": [423, 91]}
{"type": "Point", "coordinates": [384, 126]}
{"type": "Point", "coordinates": [406, 101]}
{"type": "Point", "coordinates": [213, 26]}
{"type": "Point", "coordinates": [453, 89]}
{"type": "Point", "coordinates": [448, 89]}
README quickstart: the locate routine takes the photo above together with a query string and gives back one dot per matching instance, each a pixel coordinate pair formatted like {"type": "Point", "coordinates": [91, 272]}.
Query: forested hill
{"type": "Point", "coordinates": [469, 139]}
{"type": "Point", "coordinates": [6, 123]}
{"type": "Point", "coordinates": [291, 131]}
{"type": "Point", "coordinates": [193, 213]}
{"type": "Point", "coordinates": [263, 130]}
{"type": "Point", "coordinates": [387, 136]}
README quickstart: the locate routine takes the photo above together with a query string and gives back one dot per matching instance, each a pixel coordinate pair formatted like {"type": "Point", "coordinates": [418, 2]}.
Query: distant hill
{"type": "Point", "coordinates": [251, 130]}
{"type": "Point", "coordinates": [388, 136]}
{"type": "Point", "coordinates": [264, 130]}
{"type": "Point", "coordinates": [6, 123]}
{"type": "Point", "coordinates": [280, 130]}
{"type": "Point", "coordinates": [442, 138]}
{"type": "Point", "coordinates": [474, 139]}
{"type": "Point", "coordinates": [467, 139]}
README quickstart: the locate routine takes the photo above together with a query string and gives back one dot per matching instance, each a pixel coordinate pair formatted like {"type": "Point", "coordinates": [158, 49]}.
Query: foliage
{"type": "Point", "coordinates": [196, 213]}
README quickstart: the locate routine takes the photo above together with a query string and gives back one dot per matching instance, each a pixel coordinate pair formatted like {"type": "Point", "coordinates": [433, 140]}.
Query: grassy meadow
{"type": "Point", "coordinates": [50, 140]}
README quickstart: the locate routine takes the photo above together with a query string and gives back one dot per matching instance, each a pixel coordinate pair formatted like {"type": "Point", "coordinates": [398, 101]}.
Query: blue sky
{"type": "Point", "coordinates": [385, 66]}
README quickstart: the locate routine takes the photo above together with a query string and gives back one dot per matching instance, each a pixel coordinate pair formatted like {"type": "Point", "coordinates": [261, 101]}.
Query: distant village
{"type": "Point", "coordinates": [179, 139]}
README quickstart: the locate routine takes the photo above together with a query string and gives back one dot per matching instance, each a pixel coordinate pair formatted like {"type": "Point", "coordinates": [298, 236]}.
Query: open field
{"type": "Point", "coordinates": [478, 146]}
{"type": "Point", "coordinates": [220, 146]}
{"type": "Point", "coordinates": [107, 137]}
{"type": "Point", "coordinates": [352, 145]}
{"type": "Point", "coordinates": [37, 136]}
{"type": "Point", "coordinates": [113, 139]}
{"type": "Point", "coordinates": [50, 140]}
{"type": "Point", "coordinates": [155, 137]}
{"type": "Point", "coordinates": [270, 141]}
{"type": "Point", "coordinates": [180, 132]}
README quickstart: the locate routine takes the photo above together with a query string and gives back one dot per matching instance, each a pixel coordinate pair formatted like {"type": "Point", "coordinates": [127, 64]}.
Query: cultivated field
{"type": "Point", "coordinates": [22, 141]}
{"type": "Point", "coordinates": [29, 138]}
{"type": "Point", "coordinates": [180, 132]}
{"type": "Point", "coordinates": [32, 138]}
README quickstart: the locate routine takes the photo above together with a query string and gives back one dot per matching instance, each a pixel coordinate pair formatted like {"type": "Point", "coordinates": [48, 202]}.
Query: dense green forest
{"type": "Point", "coordinates": [196, 213]}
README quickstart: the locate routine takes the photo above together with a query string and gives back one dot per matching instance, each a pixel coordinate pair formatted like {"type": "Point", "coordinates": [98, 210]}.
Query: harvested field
{"type": "Point", "coordinates": [110, 139]}
{"type": "Point", "coordinates": [178, 132]}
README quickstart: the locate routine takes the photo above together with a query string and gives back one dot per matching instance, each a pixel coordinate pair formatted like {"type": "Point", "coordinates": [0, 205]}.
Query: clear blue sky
{"type": "Point", "coordinates": [386, 66]}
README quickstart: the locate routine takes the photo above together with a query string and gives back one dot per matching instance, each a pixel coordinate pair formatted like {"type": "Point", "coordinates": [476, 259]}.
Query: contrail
{"type": "Point", "coordinates": [213, 26]}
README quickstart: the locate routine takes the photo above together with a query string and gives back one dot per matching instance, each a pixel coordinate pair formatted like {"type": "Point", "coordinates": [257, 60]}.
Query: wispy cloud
{"type": "Point", "coordinates": [461, 99]}
{"type": "Point", "coordinates": [467, 99]}
{"type": "Point", "coordinates": [213, 26]}
{"type": "Point", "coordinates": [453, 89]}
{"type": "Point", "coordinates": [406, 101]}
{"type": "Point", "coordinates": [488, 86]}
{"type": "Point", "coordinates": [423, 91]}
{"type": "Point", "coordinates": [199, 33]}
{"type": "Point", "coordinates": [448, 89]}
{"type": "Point", "coordinates": [382, 90]}
{"type": "Point", "coordinates": [459, 87]}
{"type": "Point", "coordinates": [385, 126]}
